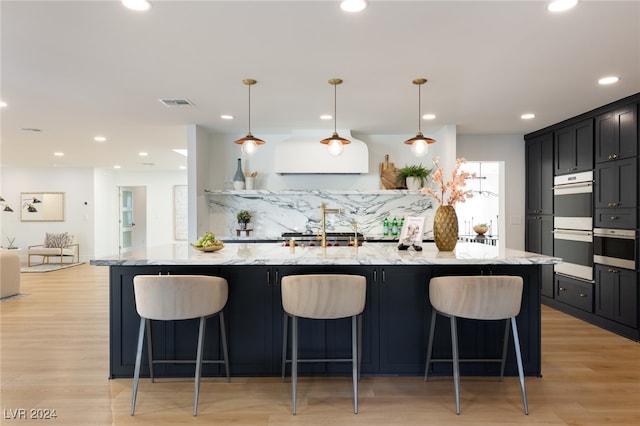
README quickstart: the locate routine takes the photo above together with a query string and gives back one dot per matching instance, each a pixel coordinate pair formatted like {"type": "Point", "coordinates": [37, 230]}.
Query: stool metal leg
{"type": "Point", "coordinates": [136, 374]}
{"type": "Point", "coordinates": [354, 361]}
{"type": "Point", "coordinates": [225, 351]}
{"type": "Point", "coordinates": [150, 349]}
{"type": "Point", "coordinates": [294, 360]}
{"type": "Point", "coordinates": [516, 342]}
{"type": "Point", "coordinates": [285, 322]}
{"type": "Point", "coordinates": [359, 345]}
{"type": "Point", "coordinates": [505, 346]}
{"type": "Point", "coordinates": [203, 321]}
{"type": "Point", "coordinates": [432, 329]}
{"type": "Point", "coordinates": [456, 363]}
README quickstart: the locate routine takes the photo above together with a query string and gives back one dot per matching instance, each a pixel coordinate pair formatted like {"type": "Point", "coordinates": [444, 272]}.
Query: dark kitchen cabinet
{"type": "Point", "coordinates": [539, 239]}
{"type": "Point", "coordinates": [574, 292]}
{"type": "Point", "coordinates": [403, 294]}
{"type": "Point", "coordinates": [616, 134]}
{"type": "Point", "coordinates": [539, 203]}
{"type": "Point", "coordinates": [539, 175]}
{"type": "Point", "coordinates": [573, 148]}
{"type": "Point", "coordinates": [617, 294]}
{"type": "Point", "coordinates": [616, 193]}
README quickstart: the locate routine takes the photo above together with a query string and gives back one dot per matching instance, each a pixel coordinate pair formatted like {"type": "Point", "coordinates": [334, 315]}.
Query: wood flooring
{"type": "Point", "coordinates": [54, 356]}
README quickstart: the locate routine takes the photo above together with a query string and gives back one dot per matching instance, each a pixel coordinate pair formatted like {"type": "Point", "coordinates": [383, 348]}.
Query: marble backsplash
{"type": "Point", "coordinates": [275, 212]}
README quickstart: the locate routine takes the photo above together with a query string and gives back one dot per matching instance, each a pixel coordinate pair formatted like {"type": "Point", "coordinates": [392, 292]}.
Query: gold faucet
{"type": "Point", "coordinates": [323, 222]}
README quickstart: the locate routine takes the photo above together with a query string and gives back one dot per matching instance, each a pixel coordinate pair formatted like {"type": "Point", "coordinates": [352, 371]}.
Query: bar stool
{"type": "Point", "coordinates": [487, 297]}
{"type": "Point", "coordinates": [179, 297]}
{"type": "Point", "coordinates": [323, 296]}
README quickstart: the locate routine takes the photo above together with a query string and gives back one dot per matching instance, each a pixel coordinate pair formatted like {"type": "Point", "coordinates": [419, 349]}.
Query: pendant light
{"type": "Point", "coordinates": [419, 143]}
{"type": "Point", "coordinates": [249, 142]}
{"type": "Point", "coordinates": [335, 143]}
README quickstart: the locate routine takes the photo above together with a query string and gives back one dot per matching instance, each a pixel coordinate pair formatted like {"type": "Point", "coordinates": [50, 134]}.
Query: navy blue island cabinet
{"type": "Point", "coordinates": [395, 323]}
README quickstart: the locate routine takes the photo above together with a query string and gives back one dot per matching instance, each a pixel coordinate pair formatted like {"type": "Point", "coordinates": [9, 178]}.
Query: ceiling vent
{"type": "Point", "coordinates": [176, 102]}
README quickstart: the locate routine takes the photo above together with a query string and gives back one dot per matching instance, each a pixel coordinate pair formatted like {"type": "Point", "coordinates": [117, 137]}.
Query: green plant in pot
{"type": "Point", "coordinates": [243, 216]}
{"type": "Point", "coordinates": [412, 177]}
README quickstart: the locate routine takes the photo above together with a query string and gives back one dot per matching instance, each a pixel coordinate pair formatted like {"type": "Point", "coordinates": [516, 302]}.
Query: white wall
{"type": "Point", "coordinates": [510, 150]}
{"type": "Point", "coordinates": [77, 185]}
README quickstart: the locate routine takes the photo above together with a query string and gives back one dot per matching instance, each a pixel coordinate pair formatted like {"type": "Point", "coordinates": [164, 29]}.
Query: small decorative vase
{"type": "Point", "coordinates": [238, 178]}
{"type": "Point", "coordinates": [445, 228]}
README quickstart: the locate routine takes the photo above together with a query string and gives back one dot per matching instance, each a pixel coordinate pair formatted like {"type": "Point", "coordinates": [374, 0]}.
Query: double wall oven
{"type": "Point", "coordinates": [573, 225]}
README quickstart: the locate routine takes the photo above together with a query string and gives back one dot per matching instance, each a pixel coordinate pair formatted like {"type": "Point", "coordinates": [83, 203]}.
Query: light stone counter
{"type": "Point", "coordinates": [367, 254]}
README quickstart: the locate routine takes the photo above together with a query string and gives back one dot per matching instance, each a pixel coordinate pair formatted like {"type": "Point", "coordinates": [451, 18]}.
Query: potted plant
{"type": "Point", "coordinates": [412, 177]}
{"type": "Point", "coordinates": [243, 216]}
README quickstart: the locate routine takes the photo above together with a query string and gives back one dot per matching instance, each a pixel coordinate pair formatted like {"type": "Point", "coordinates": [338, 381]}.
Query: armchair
{"type": "Point", "coordinates": [60, 246]}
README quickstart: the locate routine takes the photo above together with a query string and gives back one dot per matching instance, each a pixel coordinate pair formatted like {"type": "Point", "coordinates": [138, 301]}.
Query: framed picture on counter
{"type": "Point", "coordinates": [412, 230]}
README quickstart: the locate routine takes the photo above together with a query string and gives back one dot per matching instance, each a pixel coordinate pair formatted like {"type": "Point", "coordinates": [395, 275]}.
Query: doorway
{"type": "Point", "coordinates": [132, 233]}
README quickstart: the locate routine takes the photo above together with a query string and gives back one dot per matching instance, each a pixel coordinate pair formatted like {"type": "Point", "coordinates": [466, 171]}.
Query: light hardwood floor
{"type": "Point", "coordinates": [54, 355]}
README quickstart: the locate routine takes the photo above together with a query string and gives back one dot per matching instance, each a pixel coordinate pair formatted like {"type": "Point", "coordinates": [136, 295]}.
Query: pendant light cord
{"type": "Point", "coordinates": [249, 109]}
{"type": "Point", "coordinates": [419, 110]}
{"type": "Point", "coordinates": [335, 107]}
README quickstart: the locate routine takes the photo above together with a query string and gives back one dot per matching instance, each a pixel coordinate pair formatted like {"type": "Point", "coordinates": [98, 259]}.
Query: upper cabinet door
{"type": "Point", "coordinates": [539, 175]}
{"type": "Point", "coordinates": [573, 146]}
{"type": "Point", "coordinates": [616, 134]}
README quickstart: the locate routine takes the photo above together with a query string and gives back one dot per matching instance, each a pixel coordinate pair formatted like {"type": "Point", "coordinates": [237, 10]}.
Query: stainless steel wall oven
{"type": "Point", "coordinates": [573, 224]}
{"type": "Point", "coordinates": [616, 247]}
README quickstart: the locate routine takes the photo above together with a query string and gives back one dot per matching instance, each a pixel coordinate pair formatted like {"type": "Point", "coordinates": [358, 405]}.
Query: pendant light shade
{"type": "Point", "coordinates": [419, 143]}
{"type": "Point", "coordinates": [335, 143]}
{"type": "Point", "coordinates": [249, 142]}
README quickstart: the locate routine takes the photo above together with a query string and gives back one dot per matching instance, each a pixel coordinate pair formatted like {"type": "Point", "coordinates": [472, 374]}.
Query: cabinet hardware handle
{"type": "Point", "coordinates": [375, 275]}
{"type": "Point", "coordinates": [562, 289]}
{"type": "Point", "coordinates": [277, 276]}
{"type": "Point", "coordinates": [268, 277]}
{"type": "Point", "coordinates": [384, 278]}
{"type": "Point", "coordinates": [583, 295]}
{"type": "Point", "coordinates": [614, 217]}
{"type": "Point", "coordinates": [613, 271]}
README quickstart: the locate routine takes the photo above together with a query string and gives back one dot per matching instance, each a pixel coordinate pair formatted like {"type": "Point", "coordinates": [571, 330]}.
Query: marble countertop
{"type": "Point", "coordinates": [367, 254]}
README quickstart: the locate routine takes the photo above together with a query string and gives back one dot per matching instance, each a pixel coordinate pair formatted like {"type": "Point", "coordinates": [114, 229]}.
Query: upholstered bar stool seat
{"type": "Point", "coordinates": [179, 297]}
{"type": "Point", "coordinates": [487, 297]}
{"type": "Point", "coordinates": [322, 297]}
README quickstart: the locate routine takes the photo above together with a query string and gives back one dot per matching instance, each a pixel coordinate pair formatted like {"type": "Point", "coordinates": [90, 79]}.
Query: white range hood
{"type": "Point", "coordinates": [302, 153]}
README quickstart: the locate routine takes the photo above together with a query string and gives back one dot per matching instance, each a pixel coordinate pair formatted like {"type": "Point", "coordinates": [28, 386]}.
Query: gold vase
{"type": "Point", "coordinates": [445, 228]}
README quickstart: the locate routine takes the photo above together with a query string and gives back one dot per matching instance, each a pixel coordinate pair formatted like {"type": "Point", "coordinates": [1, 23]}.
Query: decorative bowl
{"type": "Point", "coordinates": [208, 249]}
{"type": "Point", "coordinates": [480, 229]}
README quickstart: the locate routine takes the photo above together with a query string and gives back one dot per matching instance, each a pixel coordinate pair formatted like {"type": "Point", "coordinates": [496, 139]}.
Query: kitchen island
{"type": "Point", "coordinates": [395, 320]}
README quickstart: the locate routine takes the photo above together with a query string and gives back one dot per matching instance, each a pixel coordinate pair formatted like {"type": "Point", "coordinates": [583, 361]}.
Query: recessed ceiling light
{"type": "Point", "coordinates": [183, 167]}
{"type": "Point", "coordinates": [59, 154]}
{"type": "Point", "coordinates": [143, 154]}
{"type": "Point", "coordinates": [3, 104]}
{"type": "Point", "coordinates": [117, 166]}
{"type": "Point", "coordinates": [608, 80]}
{"type": "Point", "coordinates": [528, 116]}
{"type": "Point", "coordinates": [561, 5]}
{"type": "Point", "coordinates": [326, 117]}
{"type": "Point", "coordinates": [139, 5]}
{"type": "Point", "coordinates": [353, 5]}
{"type": "Point", "coordinates": [182, 152]}
{"type": "Point", "coordinates": [227, 117]}
{"type": "Point", "coordinates": [429, 117]}
{"type": "Point", "coordinates": [99, 139]}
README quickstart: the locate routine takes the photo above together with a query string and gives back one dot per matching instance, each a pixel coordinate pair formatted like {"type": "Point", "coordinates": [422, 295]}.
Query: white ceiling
{"type": "Point", "coordinates": [76, 69]}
